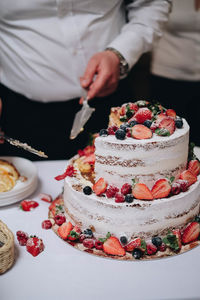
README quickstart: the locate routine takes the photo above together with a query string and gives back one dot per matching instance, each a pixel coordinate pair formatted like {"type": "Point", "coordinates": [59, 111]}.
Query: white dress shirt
{"type": "Point", "coordinates": [45, 44]}
{"type": "Point", "coordinates": [177, 54]}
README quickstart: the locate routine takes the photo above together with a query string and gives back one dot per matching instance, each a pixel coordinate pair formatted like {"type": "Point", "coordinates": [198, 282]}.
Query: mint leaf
{"type": "Point", "coordinates": [108, 235]}
{"type": "Point", "coordinates": [171, 241]}
{"type": "Point", "coordinates": [143, 245]}
{"type": "Point", "coordinates": [162, 132]}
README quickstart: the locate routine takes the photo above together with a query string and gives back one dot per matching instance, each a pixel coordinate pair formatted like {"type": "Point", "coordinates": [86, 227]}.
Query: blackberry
{"type": "Point", "coordinates": [129, 198]}
{"type": "Point", "coordinates": [179, 123]}
{"type": "Point", "coordinates": [120, 134]}
{"type": "Point", "coordinates": [87, 190]}
{"type": "Point", "coordinates": [103, 132]}
{"type": "Point", "coordinates": [157, 241]}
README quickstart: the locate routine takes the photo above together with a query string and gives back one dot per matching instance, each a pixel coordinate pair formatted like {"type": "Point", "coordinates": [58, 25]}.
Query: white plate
{"type": "Point", "coordinates": [21, 189]}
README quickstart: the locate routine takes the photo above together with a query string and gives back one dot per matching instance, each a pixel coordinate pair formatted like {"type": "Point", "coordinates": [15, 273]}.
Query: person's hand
{"type": "Point", "coordinates": [1, 140]}
{"type": "Point", "coordinates": [101, 76]}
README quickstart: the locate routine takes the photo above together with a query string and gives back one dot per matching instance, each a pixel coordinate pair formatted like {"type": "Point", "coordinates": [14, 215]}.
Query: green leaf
{"type": "Point", "coordinates": [74, 234]}
{"type": "Point", "coordinates": [143, 245]}
{"type": "Point", "coordinates": [162, 132]}
{"type": "Point", "coordinates": [171, 179]}
{"type": "Point", "coordinates": [171, 241]}
{"type": "Point", "coordinates": [108, 235]}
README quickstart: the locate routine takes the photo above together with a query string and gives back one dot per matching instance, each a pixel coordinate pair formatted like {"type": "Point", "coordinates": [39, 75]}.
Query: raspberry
{"type": "Point", "coordinates": [176, 188]}
{"type": "Point", "coordinates": [184, 184]}
{"type": "Point", "coordinates": [112, 129]}
{"type": "Point", "coordinates": [111, 191]}
{"type": "Point", "coordinates": [22, 237]}
{"type": "Point", "coordinates": [119, 198]}
{"type": "Point", "coordinates": [126, 189]}
{"type": "Point", "coordinates": [82, 237]}
{"type": "Point", "coordinates": [162, 247]}
{"type": "Point", "coordinates": [98, 245]}
{"type": "Point", "coordinates": [88, 243]}
{"type": "Point", "coordinates": [46, 224]}
{"type": "Point", "coordinates": [151, 249]}
{"type": "Point", "coordinates": [59, 219]}
{"type": "Point", "coordinates": [128, 132]}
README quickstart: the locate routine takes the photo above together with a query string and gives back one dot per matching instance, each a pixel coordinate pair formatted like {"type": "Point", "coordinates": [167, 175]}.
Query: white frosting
{"type": "Point", "coordinates": [158, 156]}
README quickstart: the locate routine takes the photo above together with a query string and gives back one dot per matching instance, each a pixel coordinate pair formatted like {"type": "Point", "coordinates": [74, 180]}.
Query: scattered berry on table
{"type": "Point", "coordinates": [103, 132]}
{"type": "Point", "coordinates": [120, 134]}
{"type": "Point", "coordinates": [28, 205]}
{"type": "Point", "coordinates": [126, 189]}
{"type": "Point", "coordinates": [45, 197]}
{"type": "Point", "coordinates": [22, 237]}
{"type": "Point", "coordinates": [46, 224]}
{"type": "Point", "coordinates": [137, 253]}
{"type": "Point", "coordinates": [119, 198]}
{"type": "Point", "coordinates": [87, 190]}
{"type": "Point", "coordinates": [111, 191]}
{"type": "Point", "coordinates": [34, 246]}
{"type": "Point", "coordinates": [59, 219]}
{"type": "Point", "coordinates": [179, 123]}
{"type": "Point", "coordinates": [157, 241]}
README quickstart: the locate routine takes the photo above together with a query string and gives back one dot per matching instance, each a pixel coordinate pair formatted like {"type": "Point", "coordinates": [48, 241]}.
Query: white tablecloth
{"type": "Point", "coordinates": [62, 272]}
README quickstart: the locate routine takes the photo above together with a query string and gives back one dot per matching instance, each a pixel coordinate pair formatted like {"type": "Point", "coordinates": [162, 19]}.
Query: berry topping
{"type": "Point", "coordinates": [147, 123]}
{"type": "Point", "coordinates": [123, 240]}
{"type": "Point", "coordinates": [177, 233]}
{"type": "Point", "coordinates": [141, 191]}
{"type": "Point", "coordinates": [171, 113]}
{"type": "Point", "coordinates": [87, 190]}
{"type": "Point", "coordinates": [22, 237]}
{"type": "Point", "coordinates": [103, 132]}
{"type": "Point", "coordinates": [167, 123]}
{"type": "Point", "coordinates": [88, 233]}
{"type": "Point", "coordinates": [160, 117]}
{"type": "Point", "coordinates": [191, 232]}
{"type": "Point", "coordinates": [142, 115]}
{"type": "Point", "coordinates": [129, 198]}
{"type": "Point", "coordinates": [70, 171]}
{"type": "Point", "coordinates": [136, 243]}
{"type": "Point", "coordinates": [59, 219]}
{"type": "Point", "coordinates": [133, 123]}
{"type": "Point", "coordinates": [98, 245]}
{"type": "Point", "coordinates": [151, 248]}
{"type": "Point", "coordinates": [154, 126]}
{"type": "Point", "coordinates": [112, 246]}
{"type": "Point", "coordinates": [119, 198]}
{"type": "Point", "coordinates": [128, 132]}
{"type": "Point", "coordinates": [100, 187]}
{"type": "Point", "coordinates": [120, 134]}
{"type": "Point", "coordinates": [187, 175]}
{"type": "Point", "coordinates": [112, 130]}
{"type": "Point", "coordinates": [197, 219]}
{"type": "Point", "coordinates": [157, 241]}
{"type": "Point", "coordinates": [194, 167]}
{"type": "Point", "coordinates": [176, 188]}
{"type": "Point", "coordinates": [137, 253]}
{"type": "Point", "coordinates": [46, 224]}
{"type": "Point", "coordinates": [126, 189]}
{"type": "Point", "coordinates": [162, 247]}
{"type": "Point", "coordinates": [45, 197]}
{"type": "Point", "coordinates": [184, 184]}
{"type": "Point", "coordinates": [28, 205]}
{"type": "Point", "coordinates": [64, 230]}
{"type": "Point", "coordinates": [179, 123]}
{"type": "Point", "coordinates": [34, 246]}
{"type": "Point", "coordinates": [111, 191]}
{"type": "Point", "coordinates": [74, 233]}
{"type": "Point", "coordinates": [124, 126]}
{"type": "Point", "coordinates": [161, 189]}
{"type": "Point", "coordinates": [88, 243]}
{"type": "Point", "coordinates": [133, 106]}
{"type": "Point", "coordinates": [141, 132]}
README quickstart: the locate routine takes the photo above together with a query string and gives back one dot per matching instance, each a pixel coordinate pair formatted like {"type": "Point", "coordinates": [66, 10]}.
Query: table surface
{"type": "Point", "coordinates": [62, 272]}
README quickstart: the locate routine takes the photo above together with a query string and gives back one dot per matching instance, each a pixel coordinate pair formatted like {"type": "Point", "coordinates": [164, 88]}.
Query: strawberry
{"type": "Point", "coordinates": [112, 246]}
{"type": "Point", "coordinates": [161, 189]}
{"type": "Point", "coordinates": [54, 204]}
{"type": "Point", "coordinates": [64, 230]}
{"type": "Point", "coordinates": [133, 106]}
{"type": "Point", "coordinates": [34, 246]}
{"type": "Point", "coordinates": [168, 123]}
{"type": "Point", "coordinates": [141, 132]}
{"type": "Point", "coordinates": [88, 150]}
{"type": "Point", "coordinates": [46, 224]}
{"type": "Point", "coordinates": [74, 233]}
{"type": "Point", "coordinates": [27, 205]}
{"type": "Point", "coordinates": [177, 233]}
{"type": "Point", "coordinates": [142, 115]}
{"type": "Point", "coordinates": [45, 197]}
{"type": "Point", "coordinates": [171, 113]}
{"type": "Point", "coordinates": [100, 186]}
{"type": "Point", "coordinates": [70, 171]}
{"type": "Point", "coordinates": [194, 167]}
{"type": "Point", "coordinates": [141, 191]}
{"type": "Point", "coordinates": [187, 175]}
{"type": "Point", "coordinates": [89, 159]}
{"type": "Point", "coordinates": [191, 232]}
{"type": "Point", "coordinates": [160, 117]}
{"type": "Point", "coordinates": [136, 243]}
{"type": "Point", "coordinates": [126, 189]}
{"type": "Point", "coordinates": [22, 237]}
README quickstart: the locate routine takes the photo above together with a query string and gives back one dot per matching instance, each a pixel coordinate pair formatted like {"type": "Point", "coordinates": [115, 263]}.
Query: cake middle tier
{"type": "Point", "coordinates": [119, 161]}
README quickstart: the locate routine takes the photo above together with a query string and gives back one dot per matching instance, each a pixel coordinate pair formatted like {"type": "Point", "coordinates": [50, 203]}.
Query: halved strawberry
{"type": "Point", "coordinates": [161, 188]}
{"type": "Point", "coordinates": [167, 123]}
{"type": "Point", "coordinates": [141, 191]}
{"type": "Point", "coordinates": [53, 205]}
{"type": "Point", "coordinates": [112, 246]}
{"type": "Point", "coordinates": [187, 175]}
{"type": "Point", "coordinates": [141, 132]}
{"type": "Point", "coordinates": [89, 159]}
{"type": "Point", "coordinates": [160, 117]}
{"type": "Point", "coordinates": [177, 233]}
{"type": "Point", "coordinates": [74, 233]}
{"type": "Point", "coordinates": [142, 115]}
{"type": "Point", "coordinates": [171, 113]}
{"type": "Point", "coordinates": [136, 243]}
{"type": "Point", "coordinates": [100, 186]}
{"type": "Point", "coordinates": [194, 167]}
{"type": "Point", "coordinates": [191, 233]}
{"type": "Point", "coordinates": [64, 230]}
{"type": "Point", "coordinates": [133, 106]}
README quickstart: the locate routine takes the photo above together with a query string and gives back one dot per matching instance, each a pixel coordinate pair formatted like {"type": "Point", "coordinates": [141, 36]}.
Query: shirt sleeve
{"type": "Point", "coordinates": [146, 19]}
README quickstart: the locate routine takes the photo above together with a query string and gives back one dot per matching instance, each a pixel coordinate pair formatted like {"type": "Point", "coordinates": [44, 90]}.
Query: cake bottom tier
{"type": "Point", "coordinates": [140, 218]}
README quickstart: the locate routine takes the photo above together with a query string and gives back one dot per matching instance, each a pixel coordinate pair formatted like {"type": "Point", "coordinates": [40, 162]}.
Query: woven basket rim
{"type": "Point", "coordinates": [9, 237]}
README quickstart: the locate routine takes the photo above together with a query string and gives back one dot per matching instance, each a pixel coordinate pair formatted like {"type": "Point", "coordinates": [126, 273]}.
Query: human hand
{"type": "Point", "coordinates": [101, 76]}
{"type": "Point", "coordinates": [1, 140]}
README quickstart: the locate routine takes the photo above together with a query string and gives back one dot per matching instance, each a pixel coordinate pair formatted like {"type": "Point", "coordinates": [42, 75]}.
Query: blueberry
{"type": "Point", "coordinates": [87, 190]}
{"type": "Point", "coordinates": [132, 123]}
{"type": "Point", "coordinates": [147, 123]}
{"type": "Point", "coordinates": [120, 134]}
{"type": "Point", "coordinates": [88, 233]}
{"type": "Point", "coordinates": [124, 126]}
{"type": "Point", "coordinates": [197, 219]}
{"type": "Point", "coordinates": [129, 198]}
{"type": "Point", "coordinates": [157, 241]}
{"type": "Point", "coordinates": [137, 253]}
{"type": "Point", "coordinates": [179, 123]}
{"type": "Point", "coordinates": [123, 240]}
{"type": "Point", "coordinates": [103, 132]}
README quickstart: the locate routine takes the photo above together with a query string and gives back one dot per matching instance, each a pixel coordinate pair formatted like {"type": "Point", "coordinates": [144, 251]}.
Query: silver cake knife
{"type": "Point", "coordinates": [81, 117]}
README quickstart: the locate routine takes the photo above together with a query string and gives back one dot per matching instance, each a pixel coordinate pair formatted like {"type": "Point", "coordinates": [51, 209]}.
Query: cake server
{"type": "Point", "coordinates": [24, 146]}
{"type": "Point", "coordinates": [81, 117]}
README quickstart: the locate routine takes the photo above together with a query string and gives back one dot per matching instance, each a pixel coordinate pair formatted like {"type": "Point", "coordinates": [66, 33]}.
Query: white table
{"type": "Point", "coordinates": [62, 272]}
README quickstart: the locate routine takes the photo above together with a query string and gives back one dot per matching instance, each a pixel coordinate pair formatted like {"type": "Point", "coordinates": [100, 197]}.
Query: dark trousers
{"type": "Point", "coordinates": [47, 126]}
{"type": "Point", "coordinates": [183, 97]}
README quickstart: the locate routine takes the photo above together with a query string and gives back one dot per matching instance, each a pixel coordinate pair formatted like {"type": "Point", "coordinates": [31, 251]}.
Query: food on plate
{"type": "Point", "coordinates": [8, 176]}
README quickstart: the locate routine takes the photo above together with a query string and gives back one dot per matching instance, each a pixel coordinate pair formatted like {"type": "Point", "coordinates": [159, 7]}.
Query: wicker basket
{"type": "Point", "coordinates": [6, 248]}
